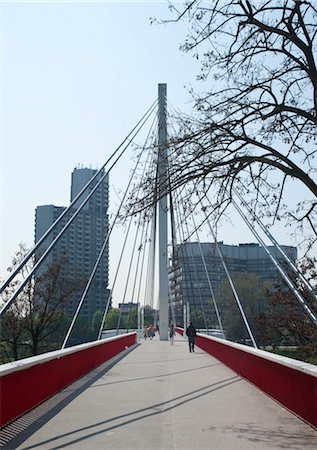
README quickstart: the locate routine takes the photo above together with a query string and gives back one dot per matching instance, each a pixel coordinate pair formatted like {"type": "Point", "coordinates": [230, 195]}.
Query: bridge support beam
{"type": "Point", "coordinates": [162, 213]}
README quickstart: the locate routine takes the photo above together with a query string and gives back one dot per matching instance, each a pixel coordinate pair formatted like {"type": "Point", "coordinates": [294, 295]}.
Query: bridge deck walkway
{"type": "Point", "coordinates": [163, 397]}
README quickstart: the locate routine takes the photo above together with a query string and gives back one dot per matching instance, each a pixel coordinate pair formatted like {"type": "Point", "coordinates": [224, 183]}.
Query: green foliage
{"type": "Point", "coordinates": [112, 318]}
{"type": "Point", "coordinates": [96, 322]}
{"type": "Point", "coordinates": [149, 315]}
{"type": "Point", "coordinates": [128, 321]}
{"type": "Point", "coordinates": [197, 318]}
{"type": "Point", "coordinates": [251, 292]}
{"type": "Point", "coordinates": [82, 331]}
{"type": "Point", "coordinates": [296, 353]}
{"type": "Point", "coordinates": [132, 319]}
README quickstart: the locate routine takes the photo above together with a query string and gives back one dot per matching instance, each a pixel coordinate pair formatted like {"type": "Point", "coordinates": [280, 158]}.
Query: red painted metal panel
{"type": "Point", "coordinates": [24, 389]}
{"type": "Point", "coordinates": [293, 388]}
{"type": "Point", "coordinates": [179, 331]}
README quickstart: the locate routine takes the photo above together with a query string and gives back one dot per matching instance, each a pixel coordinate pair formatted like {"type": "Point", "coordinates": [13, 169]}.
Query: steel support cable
{"type": "Point", "coordinates": [230, 280]}
{"type": "Point", "coordinates": [141, 244]}
{"type": "Point", "coordinates": [236, 296]}
{"type": "Point", "coordinates": [147, 279]}
{"type": "Point", "coordinates": [294, 268]}
{"type": "Point", "coordinates": [178, 116]}
{"type": "Point", "coordinates": [178, 195]}
{"type": "Point", "coordinates": [197, 281]}
{"type": "Point", "coordinates": [59, 235]}
{"type": "Point", "coordinates": [209, 283]}
{"type": "Point", "coordinates": [152, 249]}
{"type": "Point", "coordinates": [180, 187]}
{"type": "Point", "coordinates": [274, 241]}
{"type": "Point", "coordinates": [181, 239]}
{"type": "Point", "coordinates": [182, 235]}
{"type": "Point", "coordinates": [149, 288]}
{"type": "Point", "coordinates": [171, 304]}
{"type": "Point", "coordinates": [128, 277]}
{"type": "Point", "coordinates": [115, 278]}
{"type": "Point", "coordinates": [288, 280]}
{"type": "Point", "coordinates": [169, 155]}
{"type": "Point", "coordinates": [123, 247]}
{"type": "Point", "coordinates": [41, 259]}
{"type": "Point", "coordinates": [183, 188]}
{"type": "Point", "coordinates": [101, 251]}
{"type": "Point", "coordinates": [183, 244]}
{"type": "Point", "coordinates": [285, 256]}
{"type": "Point", "coordinates": [143, 259]}
{"type": "Point", "coordinates": [58, 220]}
{"type": "Point", "coordinates": [196, 277]}
{"type": "Point", "coordinates": [124, 243]}
{"type": "Point", "coordinates": [131, 261]}
{"type": "Point", "coordinates": [142, 264]}
{"type": "Point", "coordinates": [151, 262]}
{"type": "Point", "coordinates": [140, 247]}
{"type": "Point", "coordinates": [173, 232]}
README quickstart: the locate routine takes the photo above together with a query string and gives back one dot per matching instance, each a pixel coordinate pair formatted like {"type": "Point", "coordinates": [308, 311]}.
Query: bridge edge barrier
{"type": "Point", "coordinates": [21, 390]}
{"type": "Point", "coordinates": [291, 383]}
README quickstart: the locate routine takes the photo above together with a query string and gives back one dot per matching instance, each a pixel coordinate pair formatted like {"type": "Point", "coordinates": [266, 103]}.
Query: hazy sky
{"type": "Point", "coordinates": [75, 78]}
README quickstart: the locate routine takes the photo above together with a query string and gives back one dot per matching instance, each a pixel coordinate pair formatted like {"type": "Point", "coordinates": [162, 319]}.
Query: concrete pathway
{"type": "Point", "coordinates": [163, 397]}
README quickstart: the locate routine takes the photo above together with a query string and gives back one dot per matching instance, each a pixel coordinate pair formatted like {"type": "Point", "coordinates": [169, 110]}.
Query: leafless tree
{"type": "Point", "coordinates": [284, 322]}
{"type": "Point", "coordinates": [255, 126]}
{"type": "Point", "coordinates": [45, 303]}
{"type": "Point", "coordinates": [12, 329]}
{"type": "Point", "coordinates": [36, 318]}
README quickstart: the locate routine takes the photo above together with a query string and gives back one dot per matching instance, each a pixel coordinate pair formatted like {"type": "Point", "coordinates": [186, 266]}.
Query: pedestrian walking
{"type": "Point", "coordinates": [172, 333]}
{"type": "Point", "coordinates": [151, 332]}
{"type": "Point", "coordinates": [191, 334]}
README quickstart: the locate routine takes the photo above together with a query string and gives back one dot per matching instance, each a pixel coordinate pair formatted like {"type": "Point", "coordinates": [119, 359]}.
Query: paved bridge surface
{"type": "Point", "coordinates": [162, 397]}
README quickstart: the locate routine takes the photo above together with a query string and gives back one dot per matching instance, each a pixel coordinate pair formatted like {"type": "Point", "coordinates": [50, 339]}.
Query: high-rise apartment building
{"type": "Point", "coordinates": [188, 279]}
{"type": "Point", "coordinates": [79, 246]}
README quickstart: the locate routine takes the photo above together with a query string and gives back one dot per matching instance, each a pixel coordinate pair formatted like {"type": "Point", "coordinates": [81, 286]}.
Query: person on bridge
{"type": "Point", "coordinates": [172, 333]}
{"type": "Point", "coordinates": [191, 334]}
{"type": "Point", "coordinates": [151, 332]}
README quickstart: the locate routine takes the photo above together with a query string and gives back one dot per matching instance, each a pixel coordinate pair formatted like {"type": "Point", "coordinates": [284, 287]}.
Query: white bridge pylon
{"type": "Point", "coordinates": [162, 171]}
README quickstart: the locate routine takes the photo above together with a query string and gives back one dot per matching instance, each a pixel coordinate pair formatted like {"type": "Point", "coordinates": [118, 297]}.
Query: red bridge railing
{"type": "Point", "coordinates": [26, 383]}
{"type": "Point", "coordinates": [290, 382]}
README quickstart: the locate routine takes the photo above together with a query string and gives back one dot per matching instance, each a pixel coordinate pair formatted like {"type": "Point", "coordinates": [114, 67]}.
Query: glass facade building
{"type": "Point", "coordinates": [188, 280]}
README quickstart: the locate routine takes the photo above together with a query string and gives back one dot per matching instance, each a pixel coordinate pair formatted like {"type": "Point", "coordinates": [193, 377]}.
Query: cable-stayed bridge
{"type": "Point", "coordinates": [184, 401]}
